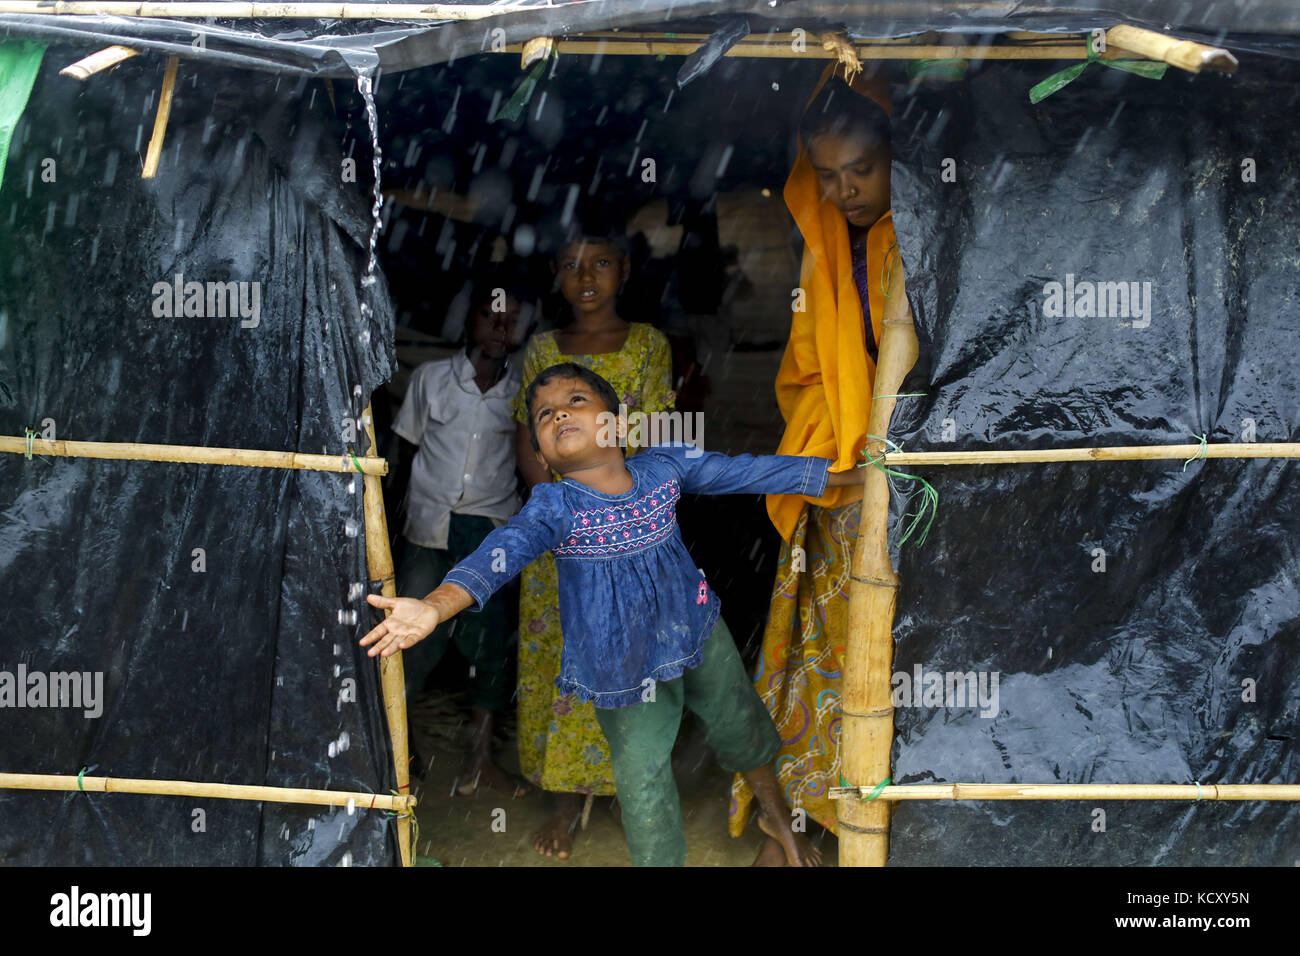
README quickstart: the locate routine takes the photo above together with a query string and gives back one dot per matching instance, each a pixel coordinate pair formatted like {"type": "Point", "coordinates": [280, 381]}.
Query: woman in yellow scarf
{"type": "Point", "coordinates": [838, 193]}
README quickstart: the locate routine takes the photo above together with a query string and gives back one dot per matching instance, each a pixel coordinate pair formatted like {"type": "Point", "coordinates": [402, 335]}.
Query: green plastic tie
{"type": "Point", "coordinates": [31, 444]}
{"type": "Point", "coordinates": [937, 69]}
{"type": "Point", "coordinates": [1198, 789]}
{"type": "Point", "coordinates": [879, 787]}
{"type": "Point", "coordinates": [81, 774]}
{"type": "Point", "coordinates": [355, 462]}
{"type": "Point", "coordinates": [1144, 68]}
{"type": "Point", "coordinates": [518, 101]}
{"type": "Point", "coordinates": [929, 497]}
{"type": "Point", "coordinates": [874, 793]}
{"type": "Point", "coordinates": [1200, 452]}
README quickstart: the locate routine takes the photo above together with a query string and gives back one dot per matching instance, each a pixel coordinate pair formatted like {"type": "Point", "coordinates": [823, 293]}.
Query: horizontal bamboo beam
{"type": "Point", "coordinates": [1075, 791]}
{"type": "Point", "coordinates": [101, 60]}
{"type": "Point", "coordinates": [220, 791]}
{"type": "Point", "coordinates": [246, 457]}
{"type": "Point", "coordinates": [189, 9]}
{"type": "Point", "coordinates": [584, 46]}
{"type": "Point", "coordinates": [1184, 54]}
{"type": "Point", "coordinates": [1114, 453]}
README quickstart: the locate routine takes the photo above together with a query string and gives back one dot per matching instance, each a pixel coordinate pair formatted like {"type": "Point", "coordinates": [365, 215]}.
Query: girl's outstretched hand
{"type": "Point", "coordinates": [411, 622]}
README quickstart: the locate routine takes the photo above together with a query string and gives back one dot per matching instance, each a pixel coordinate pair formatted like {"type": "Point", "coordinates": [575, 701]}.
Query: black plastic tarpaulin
{"type": "Point", "coordinates": [1124, 622]}
{"type": "Point", "coordinates": [217, 607]}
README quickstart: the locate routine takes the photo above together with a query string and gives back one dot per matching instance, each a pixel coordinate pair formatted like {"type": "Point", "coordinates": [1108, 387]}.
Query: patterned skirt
{"type": "Point", "coordinates": [803, 653]}
{"type": "Point", "coordinates": [561, 747]}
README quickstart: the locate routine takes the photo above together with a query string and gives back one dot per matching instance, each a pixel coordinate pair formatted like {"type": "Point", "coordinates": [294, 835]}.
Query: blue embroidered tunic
{"type": "Point", "coordinates": [633, 605]}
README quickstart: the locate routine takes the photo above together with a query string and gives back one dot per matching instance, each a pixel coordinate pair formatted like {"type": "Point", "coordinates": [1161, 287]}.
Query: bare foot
{"type": "Point", "coordinates": [555, 838]}
{"type": "Point", "coordinates": [483, 772]}
{"type": "Point", "coordinates": [771, 855]}
{"type": "Point", "coordinates": [798, 850]}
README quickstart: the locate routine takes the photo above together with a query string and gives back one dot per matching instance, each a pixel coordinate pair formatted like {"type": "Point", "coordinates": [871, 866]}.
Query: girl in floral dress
{"type": "Point", "coordinates": [561, 747]}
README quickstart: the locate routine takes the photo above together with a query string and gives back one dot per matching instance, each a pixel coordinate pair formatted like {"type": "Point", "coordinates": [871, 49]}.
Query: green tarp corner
{"type": "Point", "coordinates": [19, 61]}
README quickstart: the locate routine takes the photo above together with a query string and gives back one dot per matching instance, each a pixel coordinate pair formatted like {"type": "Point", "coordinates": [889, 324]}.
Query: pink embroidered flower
{"type": "Point", "coordinates": [703, 596]}
{"type": "Point", "coordinates": [536, 625]}
{"type": "Point", "coordinates": [627, 534]}
{"type": "Point", "coordinates": [601, 539]}
{"type": "Point", "coordinates": [573, 541]}
{"type": "Point", "coordinates": [654, 524]}
{"type": "Point", "coordinates": [585, 522]}
{"type": "Point", "coordinates": [561, 707]}
{"type": "Point", "coordinates": [636, 512]}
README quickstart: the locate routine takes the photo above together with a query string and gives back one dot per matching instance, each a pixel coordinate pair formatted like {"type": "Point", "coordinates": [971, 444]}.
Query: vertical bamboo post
{"type": "Point", "coordinates": [379, 565]}
{"type": "Point", "coordinates": [865, 700]}
{"type": "Point", "coordinates": [154, 153]}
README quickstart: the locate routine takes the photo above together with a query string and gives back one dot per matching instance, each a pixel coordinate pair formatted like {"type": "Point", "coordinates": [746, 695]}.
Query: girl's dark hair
{"type": "Point", "coordinates": [839, 111]}
{"type": "Point", "coordinates": [567, 371]}
{"type": "Point", "coordinates": [612, 237]}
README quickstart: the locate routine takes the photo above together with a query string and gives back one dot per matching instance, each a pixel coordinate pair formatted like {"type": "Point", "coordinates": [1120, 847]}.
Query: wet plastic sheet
{"type": "Point", "coordinates": [1176, 660]}
{"type": "Point", "coordinates": [327, 47]}
{"type": "Point", "coordinates": [207, 597]}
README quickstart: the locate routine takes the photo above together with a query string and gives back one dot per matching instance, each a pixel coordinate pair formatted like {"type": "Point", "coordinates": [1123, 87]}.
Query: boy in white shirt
{"type": "Point", "coordinates": [462, 487]}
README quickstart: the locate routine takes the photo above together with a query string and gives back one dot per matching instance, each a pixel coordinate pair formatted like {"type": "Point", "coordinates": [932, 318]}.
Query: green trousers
{"type": "Point", "coordinates": [480, 636]}
{"type": "Point", "coordinates": [641, 739]}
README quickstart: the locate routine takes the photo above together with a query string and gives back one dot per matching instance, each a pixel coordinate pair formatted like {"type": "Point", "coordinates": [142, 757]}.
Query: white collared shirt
{"type": "Point", "coordinates": [466, 461]}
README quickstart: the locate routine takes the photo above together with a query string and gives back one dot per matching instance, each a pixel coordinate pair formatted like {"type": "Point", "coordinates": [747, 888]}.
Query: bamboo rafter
{"type": "Point", "coordinates": [1122, 42]}
{"type": "Point", "coordinates": [1074, 791]}
{"type": "Point", "coordinates": [87, 66]}
{"type": "Point", "coordinates": [247, 457]}
{"type": "Point", "coordinates": [222, 791]}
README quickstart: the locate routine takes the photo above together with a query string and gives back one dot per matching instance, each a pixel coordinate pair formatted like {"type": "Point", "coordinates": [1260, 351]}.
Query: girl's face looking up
{"type": "Point", "coordinates": [567, 420]}
{"type": "Point", "coordinates": [590, 273]}
{"type": "Point", "coordinates": [853, 173]}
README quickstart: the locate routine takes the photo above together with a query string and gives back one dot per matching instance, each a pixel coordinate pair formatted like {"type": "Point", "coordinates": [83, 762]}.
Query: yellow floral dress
{"type": "Point", "coordinates": [561, 747]}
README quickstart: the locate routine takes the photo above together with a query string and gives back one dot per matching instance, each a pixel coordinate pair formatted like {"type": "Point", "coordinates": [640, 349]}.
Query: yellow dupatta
{"type": "Point", "coordinates": [824, 385]}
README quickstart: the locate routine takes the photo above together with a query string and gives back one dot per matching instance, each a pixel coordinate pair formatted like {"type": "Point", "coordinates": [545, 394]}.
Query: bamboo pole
{"type": "Point", "coordinates": [154, 154]}
{"type": "Point", "coordinates": [100, 60]}
{"type": "Point", "coordinates": [379, 564]}
{"type": "Point", "coordinates": [865, 699]}
{"type": "Point", "coordinates": [538, 48]}
{"type": "Point", "coordinates": [1074, 791]}
{"type": "Point", "coordinates": [813, 51]}
{"type": "Point", "coordinates": [222, 791]}
{"type": "Point", "coordinates": [189, 9]}
{"type": "Point", "coordinates": [246, 457]}
{"type": "Point", "coordinates": [1184, 54]}
{"type": "Point", "coordinates": [1107, 453]}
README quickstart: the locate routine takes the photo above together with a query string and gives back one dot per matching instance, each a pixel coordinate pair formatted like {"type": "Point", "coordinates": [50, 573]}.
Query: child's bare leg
{"type": "Point", "coordinates": [479, 767]}
{"type": "Point", "coordinates": [555, 837]}
{"type": "Point", "coordinates": [775, 820]}
{"type": "Point", "coordinates": [770, 855]}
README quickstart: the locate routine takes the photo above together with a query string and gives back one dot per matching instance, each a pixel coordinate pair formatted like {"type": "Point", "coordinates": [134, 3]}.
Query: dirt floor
{"type": "Point", "coordinates": [458, 831]}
